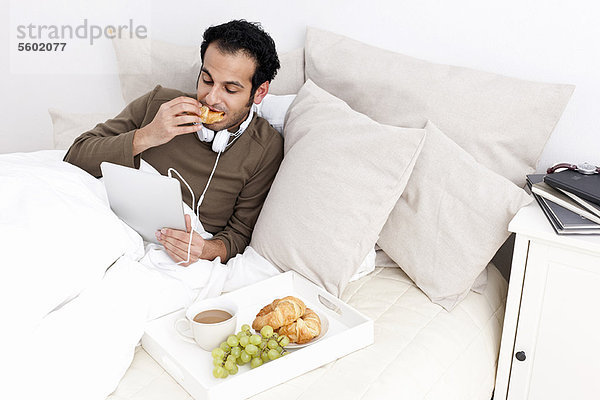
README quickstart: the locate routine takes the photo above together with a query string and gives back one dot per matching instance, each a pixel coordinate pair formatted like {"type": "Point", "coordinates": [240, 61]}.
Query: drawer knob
{"type": "Point", "coordinates": [520, 355]}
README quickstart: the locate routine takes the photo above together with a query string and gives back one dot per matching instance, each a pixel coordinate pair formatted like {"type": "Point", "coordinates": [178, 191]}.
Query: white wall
{"type": "Point", "coordinates": [555, 41]}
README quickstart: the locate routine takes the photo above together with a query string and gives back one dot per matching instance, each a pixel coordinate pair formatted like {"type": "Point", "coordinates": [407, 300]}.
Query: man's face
{"type": "Point", "coordinates": [225, 84]}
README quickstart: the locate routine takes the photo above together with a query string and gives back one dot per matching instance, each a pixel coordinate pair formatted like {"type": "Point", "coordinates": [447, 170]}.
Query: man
{"type": "Point", "coordinates": [239, 61]}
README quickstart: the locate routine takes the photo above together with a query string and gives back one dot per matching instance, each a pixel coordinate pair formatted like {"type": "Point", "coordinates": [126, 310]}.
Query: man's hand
{"type": "Point", "coordinates": [167, 124]}
{"type": "Point", "coordinates": [176, 245]}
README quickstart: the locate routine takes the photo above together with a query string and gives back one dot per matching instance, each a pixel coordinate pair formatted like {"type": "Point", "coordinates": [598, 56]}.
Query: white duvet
{"type": "Point", "coordinates": [78, 284]}
{"type": "Point", "coordinates": [76, 320]}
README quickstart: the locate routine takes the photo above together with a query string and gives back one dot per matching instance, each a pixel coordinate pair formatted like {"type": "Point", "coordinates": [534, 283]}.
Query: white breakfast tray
{"type": "Point", "coordinates": [349, 330]}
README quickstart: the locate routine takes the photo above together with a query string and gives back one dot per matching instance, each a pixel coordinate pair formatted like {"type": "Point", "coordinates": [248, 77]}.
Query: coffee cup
{"type": "Point", "coordinates": [208, 322]}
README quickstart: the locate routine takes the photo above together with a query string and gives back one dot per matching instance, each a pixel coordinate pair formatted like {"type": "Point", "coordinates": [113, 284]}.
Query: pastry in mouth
{"type": "Point", "coordinates": [207, 116]}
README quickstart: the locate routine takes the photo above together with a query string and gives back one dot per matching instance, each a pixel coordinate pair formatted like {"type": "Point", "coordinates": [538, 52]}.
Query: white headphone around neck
{"type": "Point", "coordinates": [220, 141]}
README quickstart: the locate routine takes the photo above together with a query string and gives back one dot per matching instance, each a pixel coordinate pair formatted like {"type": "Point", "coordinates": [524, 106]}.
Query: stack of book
{"type": "Point", "coordinates": [571, 202]}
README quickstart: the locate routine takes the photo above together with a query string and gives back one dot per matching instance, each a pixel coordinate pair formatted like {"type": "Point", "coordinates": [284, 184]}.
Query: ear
{"type": "Point", "coordinates": [261, 92]}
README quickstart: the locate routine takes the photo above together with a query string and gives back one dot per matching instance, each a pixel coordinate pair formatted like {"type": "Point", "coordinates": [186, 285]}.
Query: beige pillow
{"type": "Point", "coordinates": [503, 122]}
{"type": "Point", "coordinates": [290, 77]}
{"type": "Point", "coordinates": [450, 220]}
{"type": "Point", "coordinates": [68, 126]}
{"type": "Point", "coordinates": [145, 63]}
{"type": "Point", "coordinates": [341, 175]}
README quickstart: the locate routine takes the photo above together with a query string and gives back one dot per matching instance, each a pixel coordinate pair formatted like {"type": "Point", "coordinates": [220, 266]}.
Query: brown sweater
{"type": "Point", "coordinates": [239, 186]}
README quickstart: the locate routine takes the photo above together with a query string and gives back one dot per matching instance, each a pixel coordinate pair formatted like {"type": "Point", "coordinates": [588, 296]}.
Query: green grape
{"type": "Point", "coordinates": [245, 357]}
{"type": "Point", "coordinates": [251, 349]}
{"type": "Point", "coordinates": [218, 372]}
{"type": "Point", "coordinates": [273, 354]}
{"type": "Point", "coordinates": [264, 356]}
{"type": "Point", "coordinates": [234, 370]}
{"type": "Point", "coordinates": [232, 340]}
{"type": "Point", "coordinates": [229, 365]}
{"type": "Point", "coordinates": [272, 344]}
{"type": "Point", "coordinates": [279, 349]}
{"type": "Point", "coordinates": [240, 334]}
{"type": "Point", "coordinates": [244, 341]}
{"type": "Point", "coordinates": [245, 328]}
{"type": "Point", "coordinates": [284, 341]}
{"type": "Point", "coordinates": [217, 362]}
{"type": "Point", "coordinates": [256, 362]}
{"type": "Point", "coordinates": [231, 358]}
{"type": "Point", "coordinates": [225, 347]}
{"type": "Point", "coordinates": [255, 340]}
{"type": "Point", "coordinates": [266, 331]}
{"type": "Point", "coordinates": [236, 351]}
{"type": "Point", "coordinates": [218, 353]}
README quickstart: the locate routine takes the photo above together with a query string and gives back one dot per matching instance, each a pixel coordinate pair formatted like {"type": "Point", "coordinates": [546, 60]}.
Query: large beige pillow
{"type": "Point", "coordinates": [145, 63]}
{"type": "Point", "coordinates": [68, 126]}
{"type": "Point", "coordinates": [450, 220]}
{"type": "Point", "coordinates": [341, 175]}
{"type": "Point", "coordinates": [502, 122]}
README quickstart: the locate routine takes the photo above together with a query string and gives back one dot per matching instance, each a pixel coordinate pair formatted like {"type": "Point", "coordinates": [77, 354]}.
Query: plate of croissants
{"type": "Point", "coordinates": [291, 317]}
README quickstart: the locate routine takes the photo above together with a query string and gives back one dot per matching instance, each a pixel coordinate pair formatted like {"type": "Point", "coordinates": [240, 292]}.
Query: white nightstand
{"type": "Point", "coordinates": [550, 346]}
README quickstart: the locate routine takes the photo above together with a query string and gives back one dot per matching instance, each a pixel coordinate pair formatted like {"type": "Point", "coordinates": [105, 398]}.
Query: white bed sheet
{"type": "Point", "coordinates": [420, 352]}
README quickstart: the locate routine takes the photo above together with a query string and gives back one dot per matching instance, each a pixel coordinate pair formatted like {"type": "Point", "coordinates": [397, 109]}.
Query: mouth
{"type": "Point", "coordinates": [215, 109]}
{"type": "Point", "coordinates": [209, 115]}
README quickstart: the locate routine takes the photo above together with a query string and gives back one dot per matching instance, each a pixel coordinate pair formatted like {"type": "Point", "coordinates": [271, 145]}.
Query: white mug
{"type": "Point", "coordinates": [207, 335]}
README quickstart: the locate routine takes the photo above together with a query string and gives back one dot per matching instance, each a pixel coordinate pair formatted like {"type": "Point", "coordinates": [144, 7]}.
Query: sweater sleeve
{"type": "Point", "coordinates": [236, 235]}
{"type": "Point", "coordinates": [111, 140]}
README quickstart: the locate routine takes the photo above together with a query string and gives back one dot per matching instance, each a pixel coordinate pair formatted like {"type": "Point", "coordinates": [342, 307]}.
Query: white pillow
{"type": "Point", "coordinates": [68, 126]}
{"type": "Point", "coordinates": [145, 63]}
{"type": "Point", "coordinates": [502, 122]}
{"type": "Point", "coordinates": [341, 175]}
{"type": "Point", "coordinates": [450, 220]}
{"type": "Point", "coordinates": [274, 108]}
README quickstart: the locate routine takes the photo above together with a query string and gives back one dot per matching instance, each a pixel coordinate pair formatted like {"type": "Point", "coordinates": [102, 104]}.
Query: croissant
{"type": "Point", "coordinates": [210, 117]}
{"type": "Point", "coordinates": [280, 312]}
{"type": "Point", "coordinates": [304, 329]}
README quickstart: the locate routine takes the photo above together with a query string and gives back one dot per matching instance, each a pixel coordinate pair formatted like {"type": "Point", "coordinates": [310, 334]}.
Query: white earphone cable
{"type": "Point", "coordinates": [189, 246]}
{"type": "Point", "coordinates": [200, 199]}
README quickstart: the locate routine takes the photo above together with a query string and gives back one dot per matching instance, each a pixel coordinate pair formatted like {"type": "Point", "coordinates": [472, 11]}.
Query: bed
{"type": "Point", "coordinates": [429, 166]}
{"type": "Point", "coordinates": [420, 351]}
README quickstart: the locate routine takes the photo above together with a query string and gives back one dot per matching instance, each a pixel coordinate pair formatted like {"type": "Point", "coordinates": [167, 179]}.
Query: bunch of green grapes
{"type": "Point", "coordinates": [246, 347]}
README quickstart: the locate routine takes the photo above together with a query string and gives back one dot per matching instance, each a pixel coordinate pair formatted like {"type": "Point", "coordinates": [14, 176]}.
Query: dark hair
{"type": "Point", "coordinates": [249, 37]}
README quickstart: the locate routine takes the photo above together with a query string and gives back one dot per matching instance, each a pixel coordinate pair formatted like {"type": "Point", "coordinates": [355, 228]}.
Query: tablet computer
{"type": "Point", "coordinates": [145, 201]}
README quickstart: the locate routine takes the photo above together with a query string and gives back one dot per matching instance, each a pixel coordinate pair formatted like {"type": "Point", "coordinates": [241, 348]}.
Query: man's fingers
{"type": "Point", "coordinates": [184, 106]}
{"type": "Point", "coordinates": [177, 259]}
{"type": "Point", "coordinates": [188, 223]}
{"type": "Point", "coordinates": [182, 130]}
{"type": "Point", "coordinates": [186, 119]}
{"type": "Point", "coordinates": [182, 100]}
{"type": "Point", "coordinates": [176, 250]}
{"type": "Point", "coordinates": [176, 244]}
{"type": "Point", "coordinates": [176, 233]}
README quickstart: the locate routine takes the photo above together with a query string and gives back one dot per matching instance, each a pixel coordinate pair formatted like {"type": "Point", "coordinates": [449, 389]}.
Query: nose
{"type": "Point", "coordinates": [212, 97]}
